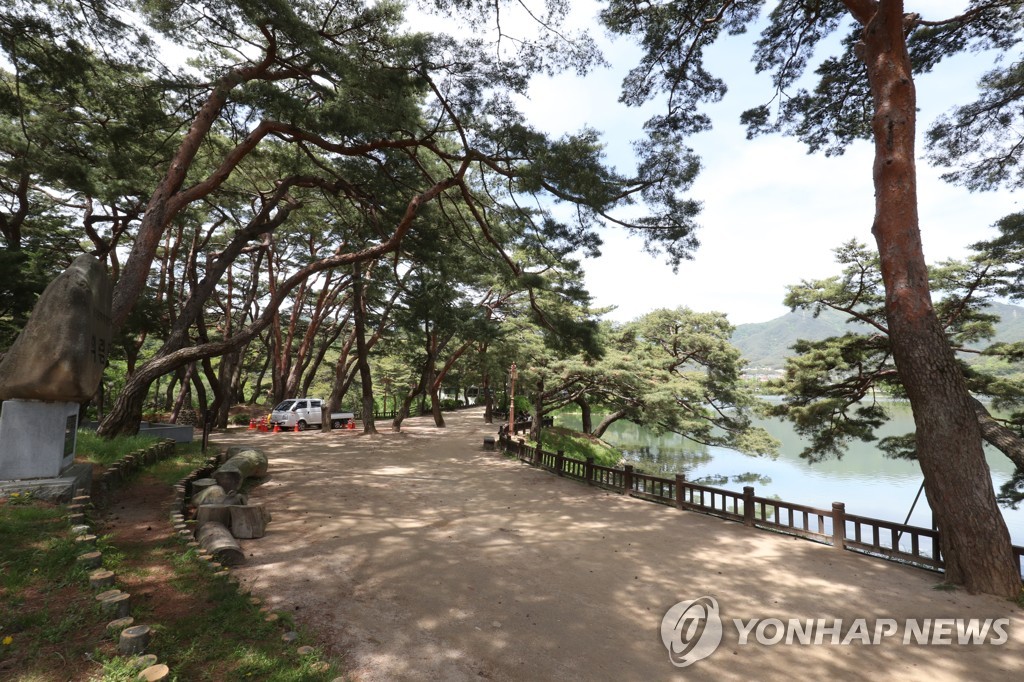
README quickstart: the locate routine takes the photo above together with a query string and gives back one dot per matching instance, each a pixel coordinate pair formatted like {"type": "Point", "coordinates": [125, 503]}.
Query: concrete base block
{"type": "Point", "coordinates": [37, 439]}
{"type": "Point", "coordinates": [60, 489]}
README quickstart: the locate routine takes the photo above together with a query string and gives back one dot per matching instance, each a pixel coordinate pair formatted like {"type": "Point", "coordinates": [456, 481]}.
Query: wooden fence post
{"type": "Point", "coordinates": [559, 462]}
{"type": "Point", "coordinates": [680, 493]}
{"type": "Point", "coordinates": [589, 471]}
{"type": "Point", "coordinates": [839, 525]}
{"type": "Point", "coordinates": [519, 449]}
{"type": "Point", "coordinates": [748, 505]}
{"type": "Point", "coordinates": [627, 479]}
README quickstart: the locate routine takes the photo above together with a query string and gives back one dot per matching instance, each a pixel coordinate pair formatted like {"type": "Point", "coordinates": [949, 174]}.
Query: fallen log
{"type": "Point", "coordinates": [217, 540]}
{"type": "Point", "coordinates": [243, 464]}
{"type": "Point", "coordinates": [249, 521]}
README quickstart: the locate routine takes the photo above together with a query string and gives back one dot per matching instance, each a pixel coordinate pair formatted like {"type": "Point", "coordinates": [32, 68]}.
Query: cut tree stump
{"type": "Point", "coordinates": [220, 513]}
{"type": "Point", "coordinates": [101, 578]}
{"type": "Point", "coordinates": [117, 605]}
{"type": "Point", "coordinates": [90, 560]}
{"type": "Point", "coordinates": [155, 673]}
{"type": "Point", "coordinates": [217, 539]}
{"type": "Point", "coordinates": [248, 521]}
{"type": "Point", "coordinates": [115, 627]}
{"type": "Point", "coordinates": [143, 661]}
{"type": "Point", "coordinates": [134, 640]}
{"type": "Point", "coordinates": [243, 463]}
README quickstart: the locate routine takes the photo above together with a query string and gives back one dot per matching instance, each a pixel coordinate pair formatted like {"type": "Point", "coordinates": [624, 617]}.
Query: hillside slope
{"type": "Point", "coordinates": [767, 344]}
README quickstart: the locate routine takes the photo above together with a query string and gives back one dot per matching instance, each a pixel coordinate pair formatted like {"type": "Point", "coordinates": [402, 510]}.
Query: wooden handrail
{"type": "Point", "coordinates": [846, 532]}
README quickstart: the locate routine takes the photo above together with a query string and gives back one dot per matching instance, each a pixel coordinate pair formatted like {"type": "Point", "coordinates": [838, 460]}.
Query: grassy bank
{"type": "Point", "coordinates": [104, 451]}
{"type": "Point", "coordinates": [579, 445]}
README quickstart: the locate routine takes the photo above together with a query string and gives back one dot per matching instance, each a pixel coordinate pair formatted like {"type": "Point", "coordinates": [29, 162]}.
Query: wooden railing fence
{"type": "Point", "coordinates": [835, 527]}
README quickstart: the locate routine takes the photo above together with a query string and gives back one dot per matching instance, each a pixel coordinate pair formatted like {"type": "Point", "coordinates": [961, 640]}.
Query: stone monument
{"type": "Point", "coordinates": [55, 363]}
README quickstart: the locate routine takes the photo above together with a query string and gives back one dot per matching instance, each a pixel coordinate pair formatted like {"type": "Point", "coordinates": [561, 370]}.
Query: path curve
{"type": "Point", "coordinates": [420, 556]}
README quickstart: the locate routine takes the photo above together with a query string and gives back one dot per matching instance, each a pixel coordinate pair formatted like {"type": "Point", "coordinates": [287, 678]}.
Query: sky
{"type": "Point", "coordinates": [772, 214]}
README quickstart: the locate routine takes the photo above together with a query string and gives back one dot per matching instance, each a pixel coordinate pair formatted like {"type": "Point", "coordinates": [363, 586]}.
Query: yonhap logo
{"type": "Point", "coordinates": [691, 630]}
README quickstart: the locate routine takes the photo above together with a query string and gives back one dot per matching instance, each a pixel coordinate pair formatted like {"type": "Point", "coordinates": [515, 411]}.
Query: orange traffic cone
{"type": "Point", "coordinates": [296, 429]}
{"type": "Point", "coordinates": [252, 424]}
{"type": "Point", "coordinates": [277, 428]}
{"type": "Point", "coordinates": [262, 427]}
{"type": "Point", "coordinates": [351, 424]}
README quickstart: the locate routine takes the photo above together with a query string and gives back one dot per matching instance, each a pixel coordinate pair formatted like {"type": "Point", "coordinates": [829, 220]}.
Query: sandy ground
{"type": "Point", "coordinates": [419, 556]}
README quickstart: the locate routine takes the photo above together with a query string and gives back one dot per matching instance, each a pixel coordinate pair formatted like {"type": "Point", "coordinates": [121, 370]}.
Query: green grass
{"type": "Point", "coordinates": [216, 634]}
{"type": "Point", "coordinates": [35, 544]}
{"type": "Point", "coordinates": [187, 456]}
{"type": "Point", "coordinates": [104, 451]}
{"type": "Point", "coordinates": [579, 446]}
{"type": "Point", "coordinates": [37, 555]}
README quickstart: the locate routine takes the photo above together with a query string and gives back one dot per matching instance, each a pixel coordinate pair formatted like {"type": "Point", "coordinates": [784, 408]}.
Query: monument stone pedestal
{"type": "Point", "coordinates": [37, 438]}
{"type": "Point", "coordinates": [37, 450]}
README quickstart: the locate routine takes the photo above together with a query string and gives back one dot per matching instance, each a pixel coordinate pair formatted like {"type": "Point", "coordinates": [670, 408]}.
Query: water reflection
{"type": "Point", "coordinates": [869, 483]}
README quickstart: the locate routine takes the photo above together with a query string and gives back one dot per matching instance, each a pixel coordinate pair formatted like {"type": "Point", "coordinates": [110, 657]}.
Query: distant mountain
{"type": "Point", "coordinates": [767, 344]}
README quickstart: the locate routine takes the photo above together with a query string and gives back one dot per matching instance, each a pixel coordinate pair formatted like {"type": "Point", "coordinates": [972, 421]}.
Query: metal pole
{"type": "Point", "coordinates": [910, 513]}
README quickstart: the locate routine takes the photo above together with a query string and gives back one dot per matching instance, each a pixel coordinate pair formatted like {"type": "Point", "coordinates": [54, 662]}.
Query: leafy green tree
{"type": "Point", "coordinates": [282, 100]}
{"type": "Point", "coordinates": [669, 370]}
{"type": "Point", "coordinates": [865, 91]}
{"type": "Point", "coordinates": [832, 386]}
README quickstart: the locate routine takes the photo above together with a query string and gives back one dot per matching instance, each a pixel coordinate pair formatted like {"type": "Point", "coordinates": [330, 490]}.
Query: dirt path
{"type": "Point", "coordinates": [418, 556]}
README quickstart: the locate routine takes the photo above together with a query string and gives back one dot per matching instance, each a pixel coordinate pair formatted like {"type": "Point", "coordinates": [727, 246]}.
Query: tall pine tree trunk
{"type": "Point", "coordinates": [362, 353]}
{"type": "Point", "coordinates": [975, 542]}
{"type": "Point", "coordinates": [586, 419]}
{"type": "Point", "coordinates": [538, 407]}
{"type": "Point", "coordinates": [403, 412]}
{"type": "Point", "coordinates": [485, 389]}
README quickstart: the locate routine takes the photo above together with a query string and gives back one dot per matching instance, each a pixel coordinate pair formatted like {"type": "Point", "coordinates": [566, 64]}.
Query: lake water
{"type": "Point", "coordinates": [869, 483]}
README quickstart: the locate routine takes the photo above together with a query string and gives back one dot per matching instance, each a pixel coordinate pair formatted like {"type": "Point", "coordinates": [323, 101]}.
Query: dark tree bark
{"type": "Point", "coordinates": [587, 420]}
{"type": "Point", "coordinates": [403, 411]}
{"type": "Point", "coordinates": [227, 375]}
{"type": "Point", "coordinates": [975, 542]}
{"type": "Point", "coordinates": [327, 342]}
{"type": "Point", "coordinates": [204, 403]}
{"type": "Point", "coordinates": [362, 352]}
{"type": "Point", "coordinates": [538, 412]}
{"type": "Point", "coordinates": [1001, 437]}
{"type": "Point", "coordinates": [169, 392]}
{"type": "Point", "coordinates": [185, 391]}
{"type": "Point", "coordinates": [257, 389]}
{"type": "Point", "coordinates": [430, 377]}
{"type": "Point", "coordinates": [488, 398]}
{"type": "Point", "coordinates": [608, 421]}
